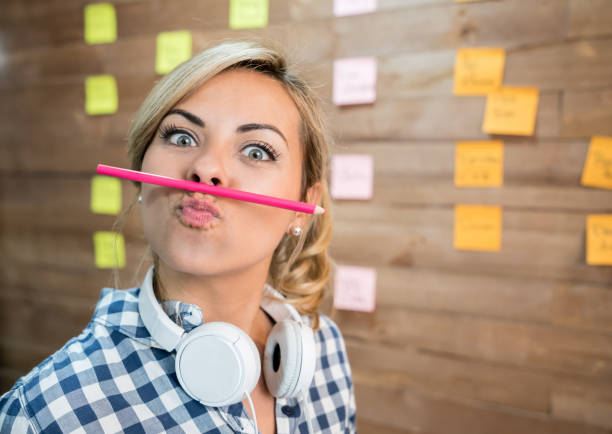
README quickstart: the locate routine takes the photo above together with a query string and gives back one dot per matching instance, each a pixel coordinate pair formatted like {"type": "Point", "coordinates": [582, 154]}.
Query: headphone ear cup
{"type": "Point", "coordinates": [217, 364]}
{"type": "Point", "coordinates": [289, 359]}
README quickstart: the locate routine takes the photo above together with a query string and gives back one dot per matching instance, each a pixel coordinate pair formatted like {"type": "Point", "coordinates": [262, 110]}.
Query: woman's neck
{"type": "Point", "coordinates": [233, 298]}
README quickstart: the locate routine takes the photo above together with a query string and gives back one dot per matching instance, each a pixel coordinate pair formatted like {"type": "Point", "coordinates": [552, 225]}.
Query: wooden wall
{"type": "Point", "coordinates": [518, 341]}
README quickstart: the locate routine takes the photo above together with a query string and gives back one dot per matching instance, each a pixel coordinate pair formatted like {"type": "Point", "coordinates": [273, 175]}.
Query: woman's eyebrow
{"type": "Point", "coordinates": [255, 126]}
{"type": "Point", "coordinates": [189, 116]}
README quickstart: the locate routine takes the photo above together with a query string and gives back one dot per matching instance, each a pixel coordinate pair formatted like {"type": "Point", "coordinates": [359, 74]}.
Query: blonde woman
{"type": "Point", "coordinates": [224, 334]}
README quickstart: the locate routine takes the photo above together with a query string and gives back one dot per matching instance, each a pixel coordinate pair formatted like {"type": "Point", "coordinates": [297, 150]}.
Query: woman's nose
{"type": "Point", "coordinates": [208, 169]}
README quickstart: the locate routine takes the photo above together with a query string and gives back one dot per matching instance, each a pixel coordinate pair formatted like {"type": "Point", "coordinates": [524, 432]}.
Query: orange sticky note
{"type": "Point", "coordinates": [478, 227]}
{"type": "Point", "coordinates": [599, 239]}
{"type": "Point", "coordinates": [109, 249]}
{"type": "Point", "coordinates": [478, 71]}
{"type": "Point", "coordinates": [355, 288]}
{"type": "Point", "coordinates": [479, 164]}
{"type": "Point", "coordinates": [598, 165]}
{"type": "Point", "coordinates": [511, 110]}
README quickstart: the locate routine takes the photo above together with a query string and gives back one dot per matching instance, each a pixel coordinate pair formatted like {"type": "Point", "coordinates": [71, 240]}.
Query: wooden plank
{"type": "Point", "coordinates": [589, 18]}
{"type": "Point", "coordinates": [410, 369]}
{"type": "Point", "coordinates": [545, 245]}
{"type": "Point", "coordinates": [536, 347]}
{"type": "Point", "coordinates": [477, 294]}
{"type": "Point", "coordinates": [587, 113]}
{"type": "Point", "coordinates": [408, 409]}
{"type": "Point", "coordinates": [584, 306]}
{"type": "Point", "coordinates": [583, 401]}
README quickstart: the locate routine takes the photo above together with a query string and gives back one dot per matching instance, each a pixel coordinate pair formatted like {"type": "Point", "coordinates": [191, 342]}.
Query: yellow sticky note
{"type": "Point", "coordinates": [109, 249]}
{"type": "Point", "coordinates": [598, 165]}
{"type": "Point", "coordinates": [479, 164]}
{"type": "Point", "coordinates": [248, 14]}
{"type": "Point", "coordinates": [511, 110]}
{"type": "Point", "coordinates": [478, 71]}
{"type": "Point", "coordinates": [100, 23]}
{"type": "Point", "coordinates": [599, 239]}
{"type": "Point", "coordinates": [105, 195]}
{"type": "Point", "coordinates": [101, 95]}
{"type": "Point", "coordinates": [478, 227]}
{"type": "Point", "coordinates": [173, 48]}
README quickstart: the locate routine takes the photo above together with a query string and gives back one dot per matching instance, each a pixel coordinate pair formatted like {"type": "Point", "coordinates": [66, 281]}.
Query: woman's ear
{"type": "Point", "coordinates": [313, 195]}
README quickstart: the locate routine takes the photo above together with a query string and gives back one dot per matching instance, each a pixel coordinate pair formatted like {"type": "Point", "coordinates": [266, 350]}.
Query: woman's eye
{"type": "Point", "coordinates": [181, 139]}
{"type": "Point", "coordinates": [258, 152]}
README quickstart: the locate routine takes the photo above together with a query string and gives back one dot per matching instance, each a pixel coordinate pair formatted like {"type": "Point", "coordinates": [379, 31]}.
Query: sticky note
{"type": "Point", "coordinates": [511, 110]}
{"type": "Point", "coordinates": [597, 170]}
{"type": "Point", "coordinates": [105, 195]}
{"type": "Point", "coordinates": [478, 71]}
{"type": "Point", "coordinates": [478, 227]}
{"type": "Point", "coordinates": [355, 288]}
{"type": "Point", "coordinates": [354, 80]}
{"type": "Point", "coordinates": [173, 48]}
{"type": "Point", "coordinates": [479, 164]}
{"type": "Point", "coordinates": [248, 14]}
{"type": "Point", "coordinates": [599, 239]}
{"type": "Point", "coordinates": [101, 95]}
{"type": "Point", "coordinates": [352, 176]}
{"type": "Point", "coordinates": [100, 23]}
{"type": "Point", "coordinates": [353, 7]}
{"type": "Point", "coordinates": [109, 249]}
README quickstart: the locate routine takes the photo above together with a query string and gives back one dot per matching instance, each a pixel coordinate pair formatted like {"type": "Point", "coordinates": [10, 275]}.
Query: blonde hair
{"type": "Point", "coordinates": [300, 266]}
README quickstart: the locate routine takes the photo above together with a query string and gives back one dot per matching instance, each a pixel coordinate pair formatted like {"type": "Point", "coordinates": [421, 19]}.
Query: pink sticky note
{"type": "Point", "coordinates": [352, 176]}
{"type": "Point", "coordinates": [354, 80]}
{"type": "Point", "coordinates": [353, 7]}
{"type": "Point", "coordinates": [355, 288]}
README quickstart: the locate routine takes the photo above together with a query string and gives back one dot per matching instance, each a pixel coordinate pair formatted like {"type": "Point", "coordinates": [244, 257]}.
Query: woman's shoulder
{"type": "Point", "coordinates": [83, 360]}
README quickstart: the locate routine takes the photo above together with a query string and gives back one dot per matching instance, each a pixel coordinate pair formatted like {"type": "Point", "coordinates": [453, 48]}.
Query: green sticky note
{"type": "Point", "coordinates": [100, 23]}
{"type": "Point", "coordinates": [105, 195]}
{"type": "Point", "coordinates": [101, 95]}
{"type": "Point", "coordinates": [109, 250]}
{"type": "Point", "coordinates": [173, 48]}
{"type": "Point", "coordinates": [248, 14]}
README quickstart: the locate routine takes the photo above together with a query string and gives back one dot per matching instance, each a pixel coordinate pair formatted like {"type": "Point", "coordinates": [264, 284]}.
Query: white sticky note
{"type": "Point", "coordinates": [355, 80]}
{"type": "Point", "coordinates": [355, 288]}
{"type": "Point", "coordinates": [353, 7]}
{"type": "Point", "coordinates": [352, 176]}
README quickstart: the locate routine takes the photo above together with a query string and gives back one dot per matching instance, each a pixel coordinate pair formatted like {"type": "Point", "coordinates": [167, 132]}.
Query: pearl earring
{"type": "Point", "coordinates": [297, 231]}
{"type": "Point", "coordinates": [139, 198]}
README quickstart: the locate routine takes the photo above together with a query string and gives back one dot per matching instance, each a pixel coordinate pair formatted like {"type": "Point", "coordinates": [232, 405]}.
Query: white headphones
{"type": "Point", "coordinates": [218, 364]}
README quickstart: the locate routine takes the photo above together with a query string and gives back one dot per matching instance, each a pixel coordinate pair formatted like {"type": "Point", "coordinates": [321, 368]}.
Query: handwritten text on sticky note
{"type": "Point", "coordinates": [598, 165]}
{"type": "Point", "coordinates": [173, 48]}
{"type": "Point", "coordinates": [352, 176]}
{"type": "Point", "coordinates": [101, 95]}
{"type": "Point", "coordinates": [355, 288]}
{"type": "Point", "coordinates": [478, 227]}
{"type": "Point", "coordinates": [105, 195]}
{"type": "Point", "coordinates": [478, 71]}
{"type": "Point", "coordinates": [353, 7]}
{"type": "Point", "coordinates": [100, 23]}
{"type": "Point", "coordinates": [109, 249]}
{"type": "Point", "coordinates": [248, 14]}
{"type": "Point", "coordinates": [511, 110]}
{"type": "Point", "coordinates": [599, 239]}
{"type": "Point", "coordinates": [479, 164]}
{"type": "Point", "coordinates": [355, 80]}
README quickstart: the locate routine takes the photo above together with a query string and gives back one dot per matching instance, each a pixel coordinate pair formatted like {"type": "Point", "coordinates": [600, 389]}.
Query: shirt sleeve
{"type": "Point", "coordinates": [13, 418]}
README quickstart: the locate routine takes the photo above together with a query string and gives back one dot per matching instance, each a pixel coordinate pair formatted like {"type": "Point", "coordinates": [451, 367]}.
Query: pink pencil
{"type": "Point", "coordinates": [149, 178]}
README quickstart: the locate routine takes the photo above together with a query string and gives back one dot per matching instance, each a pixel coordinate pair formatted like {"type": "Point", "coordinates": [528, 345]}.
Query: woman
{"type": "Point", "coordinates": [232, 116]}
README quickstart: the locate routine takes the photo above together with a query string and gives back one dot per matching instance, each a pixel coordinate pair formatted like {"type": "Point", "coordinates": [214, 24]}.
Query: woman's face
{"type": "Point", "coordinates": [239, 130]}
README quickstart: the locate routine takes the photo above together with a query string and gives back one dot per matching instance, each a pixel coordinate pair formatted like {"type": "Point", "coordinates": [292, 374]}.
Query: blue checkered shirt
{"type": "Point", "coordinates": [114, 377]}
